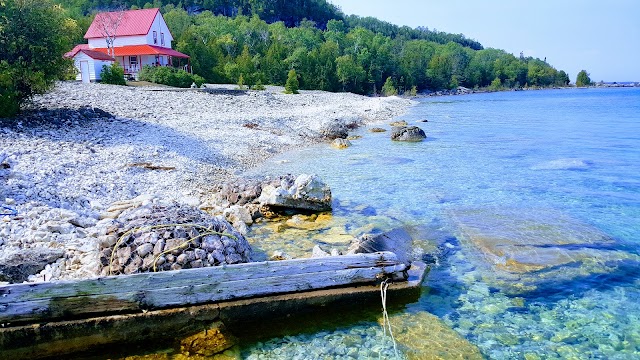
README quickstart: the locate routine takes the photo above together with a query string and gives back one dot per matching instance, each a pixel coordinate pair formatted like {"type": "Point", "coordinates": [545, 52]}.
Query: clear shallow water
{"type": "Point", "coordinates": [565, 163]}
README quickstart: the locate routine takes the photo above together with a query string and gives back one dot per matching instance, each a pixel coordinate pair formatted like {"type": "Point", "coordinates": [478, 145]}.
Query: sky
{"type": "Point", "coordinates": [602, 37]}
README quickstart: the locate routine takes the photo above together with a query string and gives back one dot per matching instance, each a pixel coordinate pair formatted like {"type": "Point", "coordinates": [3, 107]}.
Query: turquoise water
{"type": "Point", "coordinates": [504, 183]}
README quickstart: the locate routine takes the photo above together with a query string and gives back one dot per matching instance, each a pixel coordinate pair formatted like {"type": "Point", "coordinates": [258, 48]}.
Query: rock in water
{"type": "Point", "coordinates": [341, 143]}
{"type": "Point", "coordinates": [307, 193]}
{"type": "Point", "coordinates": [529, 250]}
{"type": "Point", "coordinates": [408, 133]}
{"type": "Point", "coordinates": [397, 241]}
{"type": "Point", "coordinates": [15, 267]}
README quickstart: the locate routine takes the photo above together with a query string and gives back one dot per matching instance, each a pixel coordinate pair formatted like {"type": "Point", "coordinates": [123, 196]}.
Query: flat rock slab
{"type": "Point", "coordinates": [537, 244]}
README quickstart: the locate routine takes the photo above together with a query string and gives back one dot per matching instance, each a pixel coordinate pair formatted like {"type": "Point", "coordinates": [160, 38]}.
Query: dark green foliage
{"type": "Point", "coordinates": [34, 34]}
{"type": "Point", "coordinates": [291, 87]}
{"type": "Point", "coordinates": [169, 76]}
{"type": "Point", "coordinates": [331, 52]}
{"type": "Point", "coordinates": [113, 74]}
{"type": "Point", "coordinates": [583, 78]}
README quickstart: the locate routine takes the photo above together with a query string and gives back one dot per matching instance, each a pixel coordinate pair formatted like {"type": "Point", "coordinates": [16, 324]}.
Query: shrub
{"type": "Point", "coordinates": [113, 74]}
{"type": "Point", "coordinates": [241, 82]}
{"type": "Point", "coordinates": [169, 76]}
{"type": "Point", "coordinates": [292, 84]}
{"type": "Point", "coordinates": [199, 80]}
{"type": "Point", "coordinates": [258, 85]}
{"type": "Point", "coordinates": [388, 89]}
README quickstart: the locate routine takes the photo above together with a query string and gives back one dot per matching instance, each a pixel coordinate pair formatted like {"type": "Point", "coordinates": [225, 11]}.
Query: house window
{"type": "Point", "coordinates": [162, 39]}
{"type": "Point", "coordinates": [155, 38]}
{"type": "Point", "coordinates": [158, 60]}
{"type": "Point", "coordinates": [133, 60]}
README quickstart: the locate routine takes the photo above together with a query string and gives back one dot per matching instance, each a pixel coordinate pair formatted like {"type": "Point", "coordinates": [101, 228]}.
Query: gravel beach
{"type": "Point", "coordinates": [83, 147]}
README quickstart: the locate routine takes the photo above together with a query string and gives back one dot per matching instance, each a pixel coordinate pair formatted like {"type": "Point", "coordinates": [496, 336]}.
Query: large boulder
{"type": "Point", "coordinates": [16, 266]}
{"type": "Point", "coordinates": [398, 241]}
{"type": "Point", "coordinates": [408, 133]}
{"type": "Point", "coordinates": [306, 192]}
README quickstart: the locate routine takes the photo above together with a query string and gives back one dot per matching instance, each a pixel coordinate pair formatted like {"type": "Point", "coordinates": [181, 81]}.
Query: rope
{"type": "Point", "coordinates": [147, 228]}
{"type": "Point", "coordinates": [386, 323]}
{"type": "Point", "coordinates": [11, 211]}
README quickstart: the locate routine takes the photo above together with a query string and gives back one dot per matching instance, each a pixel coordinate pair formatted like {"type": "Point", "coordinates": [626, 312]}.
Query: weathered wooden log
{"type": "Point", "coordinates": [150, 291]}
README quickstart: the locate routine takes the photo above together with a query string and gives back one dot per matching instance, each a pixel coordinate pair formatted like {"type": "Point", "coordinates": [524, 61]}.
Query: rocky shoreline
{"type": "Point", "coordinates": [82, 148]}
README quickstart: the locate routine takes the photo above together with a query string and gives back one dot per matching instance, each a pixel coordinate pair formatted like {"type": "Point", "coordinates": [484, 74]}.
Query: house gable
{"type": "Point", "coordinates": [132, 23]}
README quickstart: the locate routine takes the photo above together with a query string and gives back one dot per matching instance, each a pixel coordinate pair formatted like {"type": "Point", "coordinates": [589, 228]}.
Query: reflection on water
{"type": "Point", "coordinates": [535, 196]}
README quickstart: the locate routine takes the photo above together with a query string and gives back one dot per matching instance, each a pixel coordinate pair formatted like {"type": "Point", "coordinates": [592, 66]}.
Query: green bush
{"type": "Point", "coordinates": [199, 80]}
{"type": "Point", "coordinates": [113, 74]}
{"type": "Point", "coordinates": [34, 34]}
{"type": "Point", "coordinates": [169, 76]}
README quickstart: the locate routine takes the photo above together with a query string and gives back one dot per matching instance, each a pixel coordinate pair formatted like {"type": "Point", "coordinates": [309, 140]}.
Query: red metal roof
{"type": "Point", "coordinates": [132, 50]}
{"type": "Point", "coordinates": [76, 49]}
{"type": "Point", "coordinates": [133, 22]}
{"type": "Point", "coordinates": [97, 55]}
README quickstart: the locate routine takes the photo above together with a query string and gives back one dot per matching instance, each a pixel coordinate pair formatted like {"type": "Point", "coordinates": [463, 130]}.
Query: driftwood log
{"type": "Point", "coordinates": [47, 301]}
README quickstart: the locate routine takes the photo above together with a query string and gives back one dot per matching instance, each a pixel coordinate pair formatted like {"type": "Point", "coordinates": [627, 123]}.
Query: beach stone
{"type": "Point", "coordinates": [377, 129]}
{"type": "Point", "coordinates": [318, 252]}
{"type": "Point", "coordinates": [528, 249]}
{"type": "Point", "coordinates": [408, 133]}
{"type": "Point", "coordinates": [341, 143]}
{"type": "Point", "coordinates": [16, 266]}
{"type": "Point", "coordinates": [307, 192]}
{"type": "Point", "coordinates": [334, 130]}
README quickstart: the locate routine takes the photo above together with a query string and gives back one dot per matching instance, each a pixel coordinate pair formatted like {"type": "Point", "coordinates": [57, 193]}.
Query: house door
{"type": "Point", "coordinates": [84, 71]}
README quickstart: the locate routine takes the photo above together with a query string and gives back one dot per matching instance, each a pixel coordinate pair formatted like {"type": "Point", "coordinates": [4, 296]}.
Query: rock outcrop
{"type": "Point", "coordinates": [408, 133]}
{"type": "Point", "coordinates": [306, 192]}
{"type": "Point", "coordinates": [15, 267]}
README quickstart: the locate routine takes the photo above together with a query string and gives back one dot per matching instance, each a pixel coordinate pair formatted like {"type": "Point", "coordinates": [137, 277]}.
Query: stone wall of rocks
{"type": "Point", "coordinates": [161, 237]}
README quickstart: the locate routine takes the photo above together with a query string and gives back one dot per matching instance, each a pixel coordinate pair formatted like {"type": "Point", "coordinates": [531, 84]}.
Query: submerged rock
{"type": "Point", "coordinates": [377, 129]}
{"type": "Point", "coordinates": [307, 192]}
{"type": "Point", "coordinates": [398, 123]}
{"type": "Point", "coordinates": [424, 336]}
{"type": "Point", "coordinates": [408, 133]}
{"type": "Point", "coordinates": [526, 249]}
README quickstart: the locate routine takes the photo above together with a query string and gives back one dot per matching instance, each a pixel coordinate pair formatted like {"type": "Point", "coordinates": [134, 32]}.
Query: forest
{"type": "Point", "coordinates": [259, 41]}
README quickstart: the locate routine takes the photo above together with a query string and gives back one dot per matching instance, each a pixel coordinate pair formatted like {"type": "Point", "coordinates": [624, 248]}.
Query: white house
{"type": "Point", "coordinates": [139, 37]}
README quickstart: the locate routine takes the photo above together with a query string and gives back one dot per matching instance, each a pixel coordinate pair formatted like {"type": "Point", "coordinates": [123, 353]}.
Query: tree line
{"type": "Point", "coordinates": [339, 58]}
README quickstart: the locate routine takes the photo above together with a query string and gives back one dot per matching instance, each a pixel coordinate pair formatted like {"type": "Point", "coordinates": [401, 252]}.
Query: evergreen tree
{"type": "Point", "coordinates": [388, 89]}
{"type": "Point", "coordinates": [291, 87]}
{"type": "Point", "coordinates": [583, 79]}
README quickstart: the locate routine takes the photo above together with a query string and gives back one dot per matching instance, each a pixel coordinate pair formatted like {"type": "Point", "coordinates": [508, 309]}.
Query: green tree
{"type": "Point", "coordinates": [291, 87]}
{"type": "Point", "coordinates": [583, 79]}
{"type": "Point", "coordinates": [34, 34]}
{"type": "Point", "coordinates": [388, 89]}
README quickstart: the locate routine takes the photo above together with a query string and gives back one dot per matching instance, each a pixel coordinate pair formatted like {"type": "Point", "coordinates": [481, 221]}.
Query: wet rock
{"type": "Point", "coordinates": [17, 266]}
{"type": "Point", "coordinates": [341, 143]}
{"type": "Point", "coordinates": [213, 340]}
{"type": "Point", "coordinates": [398, 241]}
{"type": "Point", "coordinates": [425, 336]}
{"type": "Point", "coordinates": [408, 133]}
{"type": "Point", "coordinates": [307, 192]}
{"type": "Point", "coordinates": [398, 123]}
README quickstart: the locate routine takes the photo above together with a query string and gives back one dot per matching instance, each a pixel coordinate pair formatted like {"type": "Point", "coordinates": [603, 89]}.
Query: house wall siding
{"type": "Point", "coordinates": [160, 27]}
{"type": "Point", "coordinates": [95, 66]}
{"type": "Point", "coordinates": [120, 41]}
